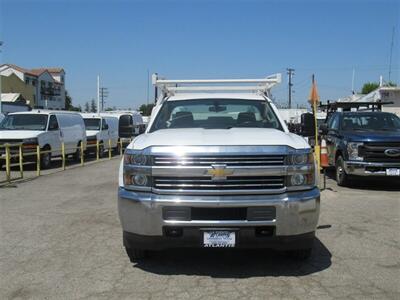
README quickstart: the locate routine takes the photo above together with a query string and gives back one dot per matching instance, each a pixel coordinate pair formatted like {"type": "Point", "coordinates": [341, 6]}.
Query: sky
{"type": "Point", "coordinates": [124, 40]}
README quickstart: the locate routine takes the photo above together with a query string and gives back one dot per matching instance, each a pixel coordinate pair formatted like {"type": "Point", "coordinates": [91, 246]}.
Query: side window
{"type": "Point", "coordinates": [53, 124]}
{"type": "Point", "coordinates": [334, 124]}
{"type": "Point", "coordinates": [104, 125]}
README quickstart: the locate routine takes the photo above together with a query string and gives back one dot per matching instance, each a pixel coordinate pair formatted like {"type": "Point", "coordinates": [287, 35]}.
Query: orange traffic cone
{"type": "Point", "coordinates": [324, 155]}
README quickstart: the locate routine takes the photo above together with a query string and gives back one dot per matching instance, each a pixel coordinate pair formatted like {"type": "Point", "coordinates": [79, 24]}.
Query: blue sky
{"type": "Point", "coordinates": [121, 40]}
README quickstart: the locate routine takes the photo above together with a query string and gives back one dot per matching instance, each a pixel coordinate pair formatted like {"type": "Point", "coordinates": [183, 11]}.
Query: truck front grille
{"type": "Point", "coordinates": [375, 151]}
{"type": "Point", "coordinates": [231, 183]}
{"type": "Point", "coordinates": [234, 160]}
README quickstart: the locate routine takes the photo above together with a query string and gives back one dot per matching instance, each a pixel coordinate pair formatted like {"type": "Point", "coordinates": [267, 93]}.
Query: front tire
{"type": "Point", "coordinates": [78, 153]}
{"type": "Point", "coordinates": [45, 160]}
{"type": "Point", "coordinates": [342, 178]}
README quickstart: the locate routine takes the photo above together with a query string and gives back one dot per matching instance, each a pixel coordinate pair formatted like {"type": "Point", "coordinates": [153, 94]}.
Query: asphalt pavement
{"type": "Point", "coordinates": [60, 238]}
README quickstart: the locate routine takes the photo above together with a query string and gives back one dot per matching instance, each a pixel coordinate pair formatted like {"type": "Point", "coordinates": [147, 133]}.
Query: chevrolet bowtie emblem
{"type": "Point", "coordinates": [219, 172]}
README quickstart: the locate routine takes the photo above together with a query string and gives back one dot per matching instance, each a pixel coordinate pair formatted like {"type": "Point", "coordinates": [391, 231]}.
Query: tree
{"type": "Point", "coordinates": [87, 107]}
{"type": "Point", "coordinates": [93, 106]}
{"type": "Point", "coordinates": [146, 109]}
{"type": "Point", "coordinates": [68, 101]}
{"type": "Point", "coordinates": [369, 87]}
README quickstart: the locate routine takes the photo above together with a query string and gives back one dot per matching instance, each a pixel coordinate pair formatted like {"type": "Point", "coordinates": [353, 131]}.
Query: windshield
{"type": "Point", "coordinates": [215, 114]}
{"type": "Point", "coordinates": [24, 122]}
{"type": "Point", "coordinates": [92, 124]}
{"type": "Point", "coordinates": [372, 121]}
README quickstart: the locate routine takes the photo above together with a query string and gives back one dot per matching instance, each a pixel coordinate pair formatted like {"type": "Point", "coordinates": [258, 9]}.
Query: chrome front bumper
{"type": "Point", "coordinates": [359, 168]}
{"type": "Point", "coordinates": [296, 212]}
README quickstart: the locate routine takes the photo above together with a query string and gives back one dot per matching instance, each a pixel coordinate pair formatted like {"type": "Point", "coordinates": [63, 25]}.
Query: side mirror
{"type": "Point", "coordinates": [307, 125]}
{"type": "Point", "coordinates": [323, 129]}
{"type": "Point", "coordinates": [105, 126]}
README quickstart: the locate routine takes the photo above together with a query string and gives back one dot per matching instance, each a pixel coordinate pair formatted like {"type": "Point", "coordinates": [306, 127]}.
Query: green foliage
{"type": "Point", "coordinates": [87, 107]}
{"type": "Point", "coordinates": [68, 103]}
{"type": "Point", "coordinates": [146, 109]}
{"type": "Point", "coordinates": [369, 87]}
{"type": "Point", "coordinates": [93, 106]}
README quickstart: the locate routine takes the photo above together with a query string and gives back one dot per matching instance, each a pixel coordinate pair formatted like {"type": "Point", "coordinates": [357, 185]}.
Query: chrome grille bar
{"type": "Point", "coordinates": [247, 160]}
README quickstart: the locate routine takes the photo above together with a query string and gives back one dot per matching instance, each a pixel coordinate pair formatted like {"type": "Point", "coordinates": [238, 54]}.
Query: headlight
{"type": "Point", "coordinates": [31, 141]}
{"type": "Point", "coordinates": [138, 159]}
{"type": "Point", "coordinates": [352, 150]}
{"type": "Point", "coordinates": [297, 179]}
{"type": "Point", "coordinates": [137, 170]}
{"type": "Point", "coordinates": [301, 158]}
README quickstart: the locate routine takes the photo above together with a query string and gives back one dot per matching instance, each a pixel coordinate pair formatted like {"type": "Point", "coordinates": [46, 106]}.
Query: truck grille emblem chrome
{"type": "Point", "coordinates": [392, 152]}
{"type": "Point", "coordinates": [219, 172]}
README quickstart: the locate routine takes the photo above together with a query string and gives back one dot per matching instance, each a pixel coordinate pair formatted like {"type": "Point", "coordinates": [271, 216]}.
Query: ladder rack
{"type": "Point", "coordinates": [171, 87]}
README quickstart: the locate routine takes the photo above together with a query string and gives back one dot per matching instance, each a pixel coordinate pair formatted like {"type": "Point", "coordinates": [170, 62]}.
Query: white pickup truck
{"type": "Point", "coordinates": [218, 169]}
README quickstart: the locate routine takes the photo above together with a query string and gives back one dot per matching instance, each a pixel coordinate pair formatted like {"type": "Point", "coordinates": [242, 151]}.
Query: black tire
{"type": "Point", "coordinates": [342, 178]}
{"type": "Point", "coordinates": [300, 254]}
{"type": "Point", "coordinates": [136, 254]}
{"type": "Point", "coordinates": [1, 164]}
{"type": "Point", "coordinates": [78, 153]}
{"type": "Point", "coordinates": [45, 159]}
{"type": "Point", "coordinates": [101, 150]}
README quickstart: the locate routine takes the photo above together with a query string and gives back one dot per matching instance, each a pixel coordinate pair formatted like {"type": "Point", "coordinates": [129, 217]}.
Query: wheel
{"type": "Point", "coordinates": [300, 254]}
{"type": "Point", "coordinates": [45, 159]}
{"type": "Point", "coordinates": [342, 178]}
{"type": "Point", "coordinates": [78, 153]}
{"type": "Point", "coordinates": [117, 150]}
{"type": "Point", "coordinates": [135, 254]}
{"type": "Point", "coordinates": [101, 150]}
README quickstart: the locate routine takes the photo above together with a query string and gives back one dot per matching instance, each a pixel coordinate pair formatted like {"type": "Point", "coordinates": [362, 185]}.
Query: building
{"type": "Point", "coordinates": [48, 85]}
{"type": "Point", "coordinates": [13, 84]}
{"type": "Point", "coordinates": [13, 102]}
{"type": "Point", "coordinates": [381, 94]}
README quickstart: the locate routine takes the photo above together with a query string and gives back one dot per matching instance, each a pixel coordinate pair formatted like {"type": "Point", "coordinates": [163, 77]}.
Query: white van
{"type": "Point", "coordinates": [1, 117]}
{"type": "Point", "coordinates": [102, 129]}
{"type": "Point", "coordinates": [130, 124]}
{"type": "Point", "coordinates": [48, 129]}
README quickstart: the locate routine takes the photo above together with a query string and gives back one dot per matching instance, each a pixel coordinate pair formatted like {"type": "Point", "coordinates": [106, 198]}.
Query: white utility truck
{"type": "Point", "coordinates": [217, 167]}
{"type": "Point", "coordinates": [102, 130]}
{"type": "Point", "coordinates": [48, 129]}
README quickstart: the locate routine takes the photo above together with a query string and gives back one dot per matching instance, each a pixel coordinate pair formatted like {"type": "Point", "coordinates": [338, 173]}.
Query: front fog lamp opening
{"type": "Point", "coordinates": [139, 179]}
{"type": "Point", "coordinates": [297, 179]}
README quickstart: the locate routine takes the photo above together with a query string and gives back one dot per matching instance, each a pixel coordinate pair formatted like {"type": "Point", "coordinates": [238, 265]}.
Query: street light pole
{"type": "Point", "coordinates": [1, 103]}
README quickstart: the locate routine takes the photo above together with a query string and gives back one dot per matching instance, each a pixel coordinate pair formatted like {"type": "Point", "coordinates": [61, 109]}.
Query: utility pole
{"type": "Point", "coordinates": [148, 86]}
{"type": "Point", "coordinates": [290, 72]}
{"type": "Point", "coordinates": [391, 54]}
{"type": "Point", "coordinates": [103, 95]}
{"type": "Point", "coordinates": [98, 94]}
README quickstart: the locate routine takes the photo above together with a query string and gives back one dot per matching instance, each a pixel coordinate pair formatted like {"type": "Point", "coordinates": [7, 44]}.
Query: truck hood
{"type": "Point", "coordinates": [19, 134]}
{"type": "Point", "coordinates": [373, 136]}
{"type": "Point", "coordinates": [219, 137]}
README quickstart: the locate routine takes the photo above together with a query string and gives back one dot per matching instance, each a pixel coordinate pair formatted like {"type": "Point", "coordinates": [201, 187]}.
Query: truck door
{"type": "Point", "coordinates": [332, 137]}
{"type": "Point", "coordinates": [55, 135]}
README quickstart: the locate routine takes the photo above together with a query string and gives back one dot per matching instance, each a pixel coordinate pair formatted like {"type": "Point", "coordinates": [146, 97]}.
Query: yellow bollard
{"type": "Point", "coordinates": [21, 165]}
{"type": "Point", "coordinates": [37, 160]}
{"type": "Point", "coordinates": [82, 158]}
{"type": "Point", "coordinates": [8, 163]}
{"type": "Point", "coordinates": [97, 150]}
{"type": "Point", "coordinates": [63, 155]}
{"type": "Point", "coordinates": [109, 149]}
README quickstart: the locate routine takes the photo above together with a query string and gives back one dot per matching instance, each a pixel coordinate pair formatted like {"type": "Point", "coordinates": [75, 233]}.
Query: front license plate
{"type": "Point", "coordinates": [219, 238]}
{"type": "Point", "coordinates": [393, 172]}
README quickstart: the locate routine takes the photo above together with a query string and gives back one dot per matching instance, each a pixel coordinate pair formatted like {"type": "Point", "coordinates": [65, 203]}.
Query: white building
{"type": "Point", "coordinates": [381, 94]}
{"type": "Point", "coordinates": [49, 84]}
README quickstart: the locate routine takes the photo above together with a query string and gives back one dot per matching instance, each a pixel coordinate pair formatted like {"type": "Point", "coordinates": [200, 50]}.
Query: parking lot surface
{"type": "Point", "coordinates": [60, 238]}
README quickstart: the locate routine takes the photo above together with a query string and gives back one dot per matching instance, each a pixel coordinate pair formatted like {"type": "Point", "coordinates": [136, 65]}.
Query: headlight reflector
{"type": "Point", "coordinates": [297, 179]}
{"type": "Point", "coordinates": [352, 150]}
